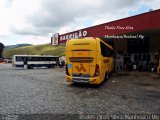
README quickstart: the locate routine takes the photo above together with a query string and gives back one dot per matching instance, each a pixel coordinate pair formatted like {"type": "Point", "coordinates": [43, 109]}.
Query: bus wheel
{"type": "Point", "coordinates": [28, 67]}
{"type": "Point", "coordinates": [31, 66]}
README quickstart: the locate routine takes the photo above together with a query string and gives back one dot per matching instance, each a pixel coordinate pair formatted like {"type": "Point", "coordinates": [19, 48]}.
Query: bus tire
{"type": "Point", "coordinates": [31, 66]}
{"type": "Point", "coordinates": [28, 67]}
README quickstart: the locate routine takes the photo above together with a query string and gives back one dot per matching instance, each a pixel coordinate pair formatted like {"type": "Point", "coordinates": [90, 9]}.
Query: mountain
{"type": "Point", "coordinates": [45, 49]}
{"type": "Point", "coordinates": [16, 46]}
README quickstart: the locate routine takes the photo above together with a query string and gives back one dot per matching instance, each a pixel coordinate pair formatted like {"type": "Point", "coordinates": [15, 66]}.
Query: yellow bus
{"type": "Point", "coordinates": [88, 60]}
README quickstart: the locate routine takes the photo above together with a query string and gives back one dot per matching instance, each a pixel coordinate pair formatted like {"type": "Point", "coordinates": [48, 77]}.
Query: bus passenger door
{"type": "Point", "coordinates": [25, 62]}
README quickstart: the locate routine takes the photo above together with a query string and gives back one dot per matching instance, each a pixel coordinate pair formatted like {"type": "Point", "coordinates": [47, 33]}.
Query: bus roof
{"type": "Point", "coordinates": [85, 41]}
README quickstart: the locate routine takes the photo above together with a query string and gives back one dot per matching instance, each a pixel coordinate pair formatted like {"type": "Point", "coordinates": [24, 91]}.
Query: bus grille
{"type": "Point", "coordinates": [81, 59]}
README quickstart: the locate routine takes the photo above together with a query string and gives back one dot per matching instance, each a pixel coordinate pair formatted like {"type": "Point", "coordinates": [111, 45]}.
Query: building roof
{"type": "Point", "coordinates": [141, 22]}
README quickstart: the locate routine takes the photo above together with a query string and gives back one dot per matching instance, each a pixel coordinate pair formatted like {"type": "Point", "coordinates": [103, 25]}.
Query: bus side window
{"type": "Point", "coordinates": [19, 59]}
{"type": "Point", "coordinates": [52, 59]}
{"type": "Point", "coordinates": [43, 59]}
{"type": "Point", "coordinates": [105, 50]}
{"type": "Point", "coordinates": [25, 60]}
{"type": "Point", "coordinates": [35, 59]}
{"type": "Point", "coordinates": [29, 59]}
{"type": "Point", "coordinates": [48, 59]}
{"type": "Point", "coordinates": [40, 59]}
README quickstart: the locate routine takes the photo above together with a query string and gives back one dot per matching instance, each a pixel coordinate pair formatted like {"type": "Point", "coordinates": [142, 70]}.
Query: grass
{"type": "Point", "coordinates": [45, 49]}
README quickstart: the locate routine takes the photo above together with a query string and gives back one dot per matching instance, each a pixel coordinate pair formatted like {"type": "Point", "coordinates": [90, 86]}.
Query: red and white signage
{"type": "Point", "coordinates": [138, 23]}
{"type": "Point", "coordinates": [78, 34]}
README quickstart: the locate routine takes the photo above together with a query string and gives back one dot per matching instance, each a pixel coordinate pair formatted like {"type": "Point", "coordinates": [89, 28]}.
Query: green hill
{"type": "Point", "coordinates": [16, 46]}
{"type": "Point", "coordinates": [45, 49]}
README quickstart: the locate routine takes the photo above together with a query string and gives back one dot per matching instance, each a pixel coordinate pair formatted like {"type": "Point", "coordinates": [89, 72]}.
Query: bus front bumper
{"type": "Point", "coordinates": [90, 80]}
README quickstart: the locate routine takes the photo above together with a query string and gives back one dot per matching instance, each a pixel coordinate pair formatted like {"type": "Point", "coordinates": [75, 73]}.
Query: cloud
{"type": "Point", "coordinates": [57, 14]}
{"type": "Point", "coordinates": [6, 3]}
{"type": "Point", "coordinates": [14, 16]}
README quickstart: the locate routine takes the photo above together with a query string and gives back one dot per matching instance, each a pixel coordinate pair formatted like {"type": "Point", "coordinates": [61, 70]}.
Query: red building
{"type": "Point", "coordinates": [135, 39]}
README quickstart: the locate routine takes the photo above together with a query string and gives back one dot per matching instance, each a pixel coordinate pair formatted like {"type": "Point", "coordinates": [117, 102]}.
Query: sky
{"type": "Point", "coordinates": [34, 21]}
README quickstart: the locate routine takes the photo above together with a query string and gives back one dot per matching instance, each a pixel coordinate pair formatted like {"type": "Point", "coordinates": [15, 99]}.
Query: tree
{"type": "Point", "coordinates": [1, 49]}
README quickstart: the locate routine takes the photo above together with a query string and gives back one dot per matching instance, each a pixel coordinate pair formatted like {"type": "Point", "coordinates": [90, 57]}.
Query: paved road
{"type": "Point", "coordinates": [44, 91]}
